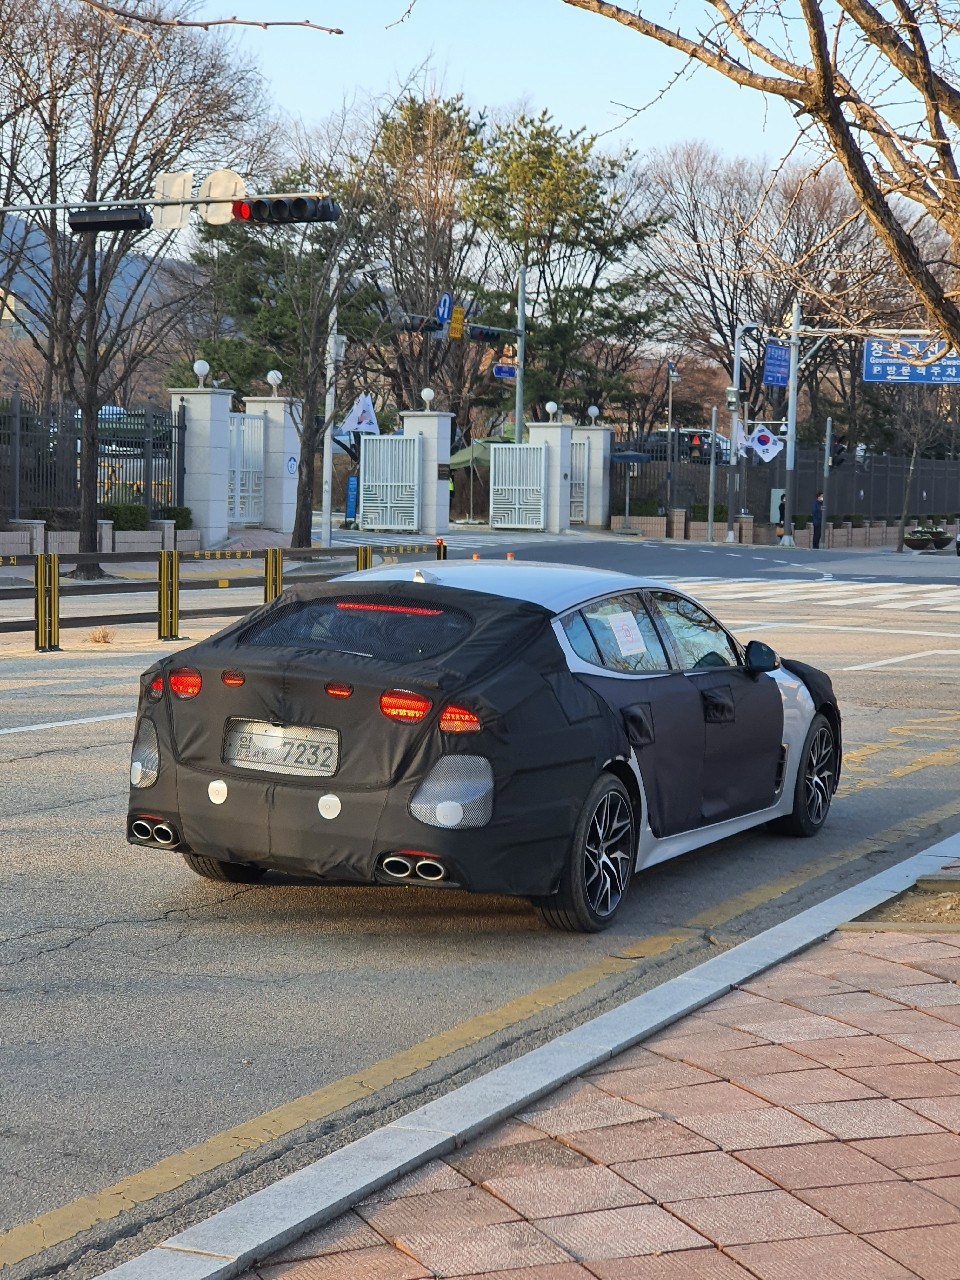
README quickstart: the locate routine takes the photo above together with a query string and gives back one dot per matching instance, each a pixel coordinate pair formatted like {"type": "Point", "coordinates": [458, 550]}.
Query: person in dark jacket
{"type": "Point", "coordinates": [816, 516]}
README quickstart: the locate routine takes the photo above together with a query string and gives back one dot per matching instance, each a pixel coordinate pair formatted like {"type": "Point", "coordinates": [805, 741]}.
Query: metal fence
{"type": "Point", "coordinates": [871, 487]}
{"type": "Point", "coordinates": [140, 457]}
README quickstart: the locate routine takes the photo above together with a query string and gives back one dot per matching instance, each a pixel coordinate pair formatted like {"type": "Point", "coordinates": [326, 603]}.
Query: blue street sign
{"type": "Point", "coordinates": [353, 491]}
{"type": "Point", "coordinates": [444, 308]}
{"type": "Point", "coordinates": [504, 371]}
{"type": "Point", "coordinates": [889, 360]}
{"type": "Point", "coordinates": [776, 364]}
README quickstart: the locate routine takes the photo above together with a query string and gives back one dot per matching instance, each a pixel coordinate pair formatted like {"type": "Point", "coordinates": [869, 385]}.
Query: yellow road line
{"type": "Point", "coordinates": [59, 1225]}
{"type": "Point", "coordinates": [62, 1224]}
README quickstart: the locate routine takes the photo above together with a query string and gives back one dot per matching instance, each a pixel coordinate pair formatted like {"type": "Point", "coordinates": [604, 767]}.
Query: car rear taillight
{"type": "Point", "coordinates": [459, 720]}
{"type": "Point", "coordinates": [335, 690]}
{"type": "Point", "coordinates": [400, 704]}
{"type": "Point", "coordinates": [233, 679]}
{"type": "Point", "coordinates": [185, 682]}
{"type": "Point", "coordinates": [155, 689]}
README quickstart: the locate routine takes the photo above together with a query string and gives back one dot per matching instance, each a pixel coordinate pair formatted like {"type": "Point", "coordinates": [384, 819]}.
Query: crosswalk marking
{"type": "Point", "coordinates": [827, 594]}
{"type": "Point", "coordinates": [461, 540]}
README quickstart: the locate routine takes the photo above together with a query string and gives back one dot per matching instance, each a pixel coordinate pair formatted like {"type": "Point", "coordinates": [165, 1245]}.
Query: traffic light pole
{"type": "Point", "coordinates": [827, 460]}
{"type": "Point", "coordinates": [329, 409]}
{"type": "Point", "coordinates": [734, 418]}
{"type": "Point", "coordinates": [790, 496]}
{"type": "Point", "coordinates": [521, 355]}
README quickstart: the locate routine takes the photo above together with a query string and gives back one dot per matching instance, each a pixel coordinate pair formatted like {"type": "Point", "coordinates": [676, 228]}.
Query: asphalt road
{"type": "Point", "coordinates": [144, 1011]}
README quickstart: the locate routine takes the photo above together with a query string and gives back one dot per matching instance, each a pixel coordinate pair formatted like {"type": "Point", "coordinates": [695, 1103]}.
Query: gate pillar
{"type": "Point", "coordinates": [558, 438]}
{"type": "Point", "coordinates": [206, 458]}
{"type": "Point", "coordinates": [598, 473]}
{"type": "Point", "coordinates": [434, 431]}
{"type": "Point", "coordinates": [281, 458]}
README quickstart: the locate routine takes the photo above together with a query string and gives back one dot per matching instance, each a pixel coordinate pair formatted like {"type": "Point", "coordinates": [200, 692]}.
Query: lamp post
{"type": "Point", "coordinates": [734, 407]}
{"type": "Point", "coordinates": [275, 377]}
{"type": "Point", "coordinates": [551, 408]}
{"type": "Point", "coordinates": [672, 377]}
{"type": "Point", "coordinates": [201, 369]}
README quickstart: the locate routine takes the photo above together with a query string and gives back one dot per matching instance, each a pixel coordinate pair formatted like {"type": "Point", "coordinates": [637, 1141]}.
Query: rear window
{"type": "Point", "coordinates": [395, 631]}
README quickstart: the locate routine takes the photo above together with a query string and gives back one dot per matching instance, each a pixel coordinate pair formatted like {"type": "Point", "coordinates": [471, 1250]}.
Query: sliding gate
{"type": "Point", "coordinates": [518, 474]}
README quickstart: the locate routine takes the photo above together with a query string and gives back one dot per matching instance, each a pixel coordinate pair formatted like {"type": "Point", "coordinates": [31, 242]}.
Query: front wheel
{"type": "Point", "coordinates": [600, 865]}
{"type": "Point", "coordinates": [816, 780]}
{"type": "Point", "coordinates": [232, 872]}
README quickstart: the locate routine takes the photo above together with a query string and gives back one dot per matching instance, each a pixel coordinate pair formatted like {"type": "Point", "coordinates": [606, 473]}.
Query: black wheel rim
{"type": "Point", "coordinates": [608, 850]}
{"type": "Point", "coordinates": [819, 775]}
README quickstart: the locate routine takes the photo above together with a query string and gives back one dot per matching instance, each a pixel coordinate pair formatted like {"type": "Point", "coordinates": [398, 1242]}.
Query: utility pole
{"type": "Point", "coordinates": [670, 449]}
{"type": "Point", "coordinates": [790, 496]}
{"type": "Point", "coordinates": [711, 501]}
{"type": "Point", "coordinates": [329, 409]}
{"type": "Point", "coordinates": [734, 407]}
{"type": "Point", "coordinates": [521, 356]}
{"type": "Point", "coordinates": [827, 459]}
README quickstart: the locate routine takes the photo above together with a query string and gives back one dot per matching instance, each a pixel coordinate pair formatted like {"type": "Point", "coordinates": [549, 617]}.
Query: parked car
{"type": "Point", "coordinates": [693, 446]}
{"type": "Point", "coordinates": [536, 730]}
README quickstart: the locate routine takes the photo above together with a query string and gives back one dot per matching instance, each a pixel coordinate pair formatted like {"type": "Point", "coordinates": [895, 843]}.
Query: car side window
{"type": "Point", "coordinates": [579, 638]}
{"type": "Point", "coordinates": [701, 643]}
{"type": "Point", "coordinates": [625, 635]}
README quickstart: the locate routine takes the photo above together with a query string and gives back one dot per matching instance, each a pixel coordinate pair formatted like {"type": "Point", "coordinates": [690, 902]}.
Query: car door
{"type": "Point", "coordinates": [624, 660]}
{"type": "Point", "coordinates": [742, 712]}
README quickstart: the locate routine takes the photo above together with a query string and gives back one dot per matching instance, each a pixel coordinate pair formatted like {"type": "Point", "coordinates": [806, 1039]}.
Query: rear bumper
{"type": "Point", "coordinates": [281, 825]}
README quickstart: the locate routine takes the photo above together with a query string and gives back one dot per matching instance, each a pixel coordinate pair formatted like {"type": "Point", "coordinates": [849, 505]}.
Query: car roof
{"type": "Point", "coordinates": [556, 587]}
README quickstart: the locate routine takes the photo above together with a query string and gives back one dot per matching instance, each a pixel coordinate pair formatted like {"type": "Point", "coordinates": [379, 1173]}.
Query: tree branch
{"type": "Point", "coordinates": [117, 13]}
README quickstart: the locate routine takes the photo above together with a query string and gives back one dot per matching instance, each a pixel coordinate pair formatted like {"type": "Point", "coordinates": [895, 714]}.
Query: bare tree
{"type": "Point", "coordinates": [877, 83]}
{"type": "Point", "coordinates": [103, 113]}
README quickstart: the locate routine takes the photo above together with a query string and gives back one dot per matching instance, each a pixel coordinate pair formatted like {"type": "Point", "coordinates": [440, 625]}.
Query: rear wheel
{"type": "Point", "coordinates": [600, 865]}
{"type": "Point", "coordinates": [232, 872]}
{"type": "Point", "coordinates": [816, 779]}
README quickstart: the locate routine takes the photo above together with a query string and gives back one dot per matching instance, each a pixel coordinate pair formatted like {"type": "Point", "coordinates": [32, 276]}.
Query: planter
{"type": "Point", "coordinates": [941, 540]}
{"type": "Point", "coordinates": [917, 544]}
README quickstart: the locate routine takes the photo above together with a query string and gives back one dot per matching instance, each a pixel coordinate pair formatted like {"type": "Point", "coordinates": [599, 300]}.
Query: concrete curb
{"type": "Point", "coordinates": [257, 1226]}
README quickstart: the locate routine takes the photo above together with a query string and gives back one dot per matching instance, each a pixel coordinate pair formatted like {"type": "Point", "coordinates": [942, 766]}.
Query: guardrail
{"type": "Point", "coordinates": [46, 592]}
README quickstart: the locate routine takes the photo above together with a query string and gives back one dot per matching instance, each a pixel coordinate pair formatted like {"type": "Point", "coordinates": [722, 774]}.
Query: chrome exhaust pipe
{"type": "Point", "coordinates": [164, 834]}
{"type": "Point", "coordinates": [142, 830]}
{"type": "Point", "coordinates": [428, 869]}
{"type": "Point", "coordinates": [397, 867]}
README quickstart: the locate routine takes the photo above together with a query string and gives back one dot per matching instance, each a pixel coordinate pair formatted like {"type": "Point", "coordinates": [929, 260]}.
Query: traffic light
{"type": "Point", "coordinates": [732, 398]}
{"type": "Point", "coordinates": [421, 324]}
{"type": "Point", "coordinates": [93, 221]}
{"type": "Point", "coordinates": [279, 210]}
{"type": "Point", "coordinates": [838, 453]}
{"type": "Point", "coordinates": [485, 333]}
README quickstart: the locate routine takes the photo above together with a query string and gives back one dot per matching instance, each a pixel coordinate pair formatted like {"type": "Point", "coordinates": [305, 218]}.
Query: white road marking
{"type": "Point", "coordinates": [907, 657]}
{"type": "Point", "coordinates": [65, 724]}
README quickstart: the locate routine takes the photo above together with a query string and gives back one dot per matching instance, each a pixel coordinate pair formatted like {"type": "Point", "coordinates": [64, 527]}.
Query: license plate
{"type": "Point", "coordinates": [281, 748]}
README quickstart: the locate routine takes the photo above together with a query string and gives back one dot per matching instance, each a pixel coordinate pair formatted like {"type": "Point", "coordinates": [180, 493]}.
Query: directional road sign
{"type": "Point", "coordinates": [504, 371]}
{"type": "Point", "coordinates": [900, 360]}
{"type": "Point", "coordinates": [444, 308]}
{"type": "Point", "coordinates": [776, 364]}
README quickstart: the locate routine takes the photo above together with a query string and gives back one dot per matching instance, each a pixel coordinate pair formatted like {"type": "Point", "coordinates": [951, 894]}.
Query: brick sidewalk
{"type": "Point", "coordinates": [806, 1125]}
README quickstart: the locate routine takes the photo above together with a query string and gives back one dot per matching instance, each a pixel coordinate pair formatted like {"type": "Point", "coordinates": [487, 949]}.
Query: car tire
{"type": "Point", "coordinates": [599, 868]}
{"type": "Point", "coordinates": [816, 779]}
{"type": "Point", "coordinates": [232, 872]}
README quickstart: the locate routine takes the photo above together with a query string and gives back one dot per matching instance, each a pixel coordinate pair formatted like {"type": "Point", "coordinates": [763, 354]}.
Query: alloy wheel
{"type": "Point", "coordinates": [819, 775]}
{"type": "Point", "coordinates": [607, 853]}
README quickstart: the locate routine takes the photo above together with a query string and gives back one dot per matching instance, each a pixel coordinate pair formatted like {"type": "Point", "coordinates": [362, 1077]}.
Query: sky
{"type": "Point", "coordinates": [501, 53]}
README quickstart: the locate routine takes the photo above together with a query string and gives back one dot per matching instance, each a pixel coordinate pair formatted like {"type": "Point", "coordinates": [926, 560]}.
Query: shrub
{"type": "Point", "coordinates": [126, 516]}
{"type": "Point", "coordinates": [59, 519]}
{"type": "Point", "coordinates": [700, 511]}
{"type": "Point", "coordinates": [182, 517]}
{"type": "Point", "coordinates": [801, 522]}
{"type": "Point", "coordinates": [857, 522]}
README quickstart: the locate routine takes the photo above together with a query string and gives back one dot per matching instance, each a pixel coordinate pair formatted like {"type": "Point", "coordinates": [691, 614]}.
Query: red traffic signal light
{"type": "Point", "coordinates": [278, 210]}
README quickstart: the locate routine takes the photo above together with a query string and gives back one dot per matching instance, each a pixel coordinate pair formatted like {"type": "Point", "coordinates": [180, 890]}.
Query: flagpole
{"type": "Point", "coordinates": [788, 507]}
{"type": "Point", "coordinates": [326, 516]}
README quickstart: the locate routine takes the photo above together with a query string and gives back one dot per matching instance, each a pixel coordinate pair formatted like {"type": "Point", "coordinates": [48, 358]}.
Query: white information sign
{"type": "Point", "coordinates": [626, 633]}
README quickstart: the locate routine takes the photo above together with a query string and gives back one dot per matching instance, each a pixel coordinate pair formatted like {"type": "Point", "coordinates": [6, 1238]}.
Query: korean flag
{"type": "Point", "coordinates": [764, 443]}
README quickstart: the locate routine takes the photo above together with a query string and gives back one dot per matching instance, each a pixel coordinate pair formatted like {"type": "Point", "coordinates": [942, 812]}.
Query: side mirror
{"type": "Point", "coordinates": [760, 657]}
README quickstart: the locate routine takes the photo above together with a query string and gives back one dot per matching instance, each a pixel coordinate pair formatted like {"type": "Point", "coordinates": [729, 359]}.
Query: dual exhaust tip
{"type": "Point", "coordinates": [160, 832]}
{"type": "Point", "coordinates": [399, 867]}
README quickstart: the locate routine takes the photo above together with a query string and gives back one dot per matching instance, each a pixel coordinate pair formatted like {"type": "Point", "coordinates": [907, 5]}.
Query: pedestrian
{"type": "Point", "coordinates": [781, 517]}
{"type": "Point", "coordinates": [816, 516]}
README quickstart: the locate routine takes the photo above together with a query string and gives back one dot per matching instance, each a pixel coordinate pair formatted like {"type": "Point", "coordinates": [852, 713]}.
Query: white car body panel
{"type": "Point", "coordinates": [561, 588]}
